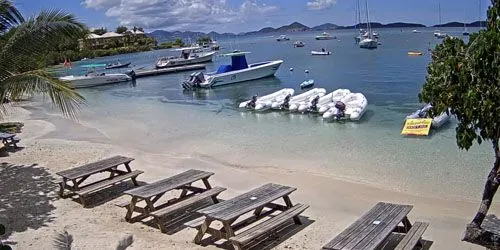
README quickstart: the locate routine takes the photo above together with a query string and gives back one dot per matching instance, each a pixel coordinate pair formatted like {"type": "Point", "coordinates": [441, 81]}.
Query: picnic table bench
{"type": "Point", "coordinates": [227, 212]}
{"type": "Point", "coordinates": [9, 139]}
{"type": "Point", "coordinates": [151, 193]}
{"type": "Point", "coordinates": [371, 229]}
{"type": "Point", "coordinates": [73, 178]}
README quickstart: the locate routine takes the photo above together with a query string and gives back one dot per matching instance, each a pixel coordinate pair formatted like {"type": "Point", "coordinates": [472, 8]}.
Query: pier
{"type": "Point", "coordinates": [152, 72]}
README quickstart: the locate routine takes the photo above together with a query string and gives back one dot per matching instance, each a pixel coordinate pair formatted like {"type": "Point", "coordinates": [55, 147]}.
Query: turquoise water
{"type": "Point", "coordinates": [207, 123]}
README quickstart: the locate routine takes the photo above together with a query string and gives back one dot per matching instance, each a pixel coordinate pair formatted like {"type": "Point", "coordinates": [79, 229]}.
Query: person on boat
{"type": "Point", "coordinates": [185, 54]}
{"type": "Point", "coordinates": [286, 101]}
{"type": "Point", "coordinates": [341, 108]}
{"type": "Point", "coordinates": [322, 49]}
{"type": "Point", "coordinates": [314, 103]}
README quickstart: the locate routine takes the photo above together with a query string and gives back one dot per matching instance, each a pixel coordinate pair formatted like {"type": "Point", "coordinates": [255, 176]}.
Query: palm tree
{"type": "Point", "coordinates": [23, 44]}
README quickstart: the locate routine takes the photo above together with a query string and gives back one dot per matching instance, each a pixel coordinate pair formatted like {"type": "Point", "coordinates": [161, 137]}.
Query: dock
{"type": "Point", "coordinates": [152, 72]}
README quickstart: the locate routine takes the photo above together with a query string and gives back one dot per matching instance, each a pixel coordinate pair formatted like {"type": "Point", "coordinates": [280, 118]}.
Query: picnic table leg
{"type": "Point", "coordinates": [289, 204]}
{"type": "Point", "coordinates": [258, 211]}
{"type": "Point", "coordinates": [130, 209]}
{"type": "Point", "coordinates": [406, 224]}
{"type": "Point", "coordinates": [229, 230]}
{"type": "Point", "coordinates": [207, 184]}
{"type": "Point", "coordinates": [202, 230]}
{"type": "Point", "coordinates": [184, 191]}
{"type": "Point", "coordinates": [128, 167]}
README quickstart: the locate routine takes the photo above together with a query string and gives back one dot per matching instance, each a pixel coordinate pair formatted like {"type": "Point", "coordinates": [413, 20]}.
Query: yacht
{"type": "Point", "coordinates": [190, 55]}
{"type": "Point", "coordinates": [93, 78]}
{"type": "Point", "coordinates": [238, 71]}
{"type": "Point", "coordinates": [325, 36]}
{"type": "Point", "coordinates": [368, 42]}
{"type": "Point", "coordinates": [282, 38]}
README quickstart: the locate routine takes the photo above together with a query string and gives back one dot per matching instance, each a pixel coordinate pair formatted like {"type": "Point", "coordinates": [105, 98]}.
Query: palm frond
{"type": "Point", "coordinates": [125, 242]}
{"type": "Point", "coordinates": [9, 16]}
{"type": "Point", "coordinates": [63, 241]}
{"type": "Point", "coordinates": [62, 96]}
{"type": "Point", "coordinates": [36, 37]}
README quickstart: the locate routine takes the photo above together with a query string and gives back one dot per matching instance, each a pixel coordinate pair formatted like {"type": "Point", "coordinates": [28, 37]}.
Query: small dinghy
{"type": "Point", "coordinates": [437, 121]}
{"type": "Point", "coordinates": [352, 106]}
{"type": "Point", "coordinates": [293, 103]}
{"type": "Point", "coordinates": [118, 65]}
{"type": "Point", "coordinates": [415, 53]}
{"type": "Point", "coordinates": [265, 102]}
{"type": "Point", "coordinates": [307, 84]}
{"type": "Point", "coordinates": [320, 53]}
{"type": "Point", "coordinates": [324, 103]}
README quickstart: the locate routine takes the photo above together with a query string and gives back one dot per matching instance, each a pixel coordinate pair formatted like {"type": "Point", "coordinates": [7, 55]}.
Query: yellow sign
{"type": "Point", "coordinates": [417, 127]}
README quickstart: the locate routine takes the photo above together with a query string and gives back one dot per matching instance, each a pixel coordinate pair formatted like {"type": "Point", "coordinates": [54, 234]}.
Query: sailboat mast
{"type": "Point", "coordinates": [439, 7]}
{"type": "Point", "coordinates": [368, 20]}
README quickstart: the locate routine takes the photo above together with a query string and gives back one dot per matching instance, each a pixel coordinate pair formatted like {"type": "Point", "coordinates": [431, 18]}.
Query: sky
{"type": "Point", "coordinates": [248, 15]}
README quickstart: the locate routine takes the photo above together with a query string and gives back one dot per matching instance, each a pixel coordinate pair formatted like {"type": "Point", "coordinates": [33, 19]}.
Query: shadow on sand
{"type": "Point", "coordinates": [25, 198]}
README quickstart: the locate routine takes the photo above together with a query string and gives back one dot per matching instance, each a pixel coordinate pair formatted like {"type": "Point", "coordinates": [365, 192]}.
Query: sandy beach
{"type": "Point", "coordinates": [33, 213]}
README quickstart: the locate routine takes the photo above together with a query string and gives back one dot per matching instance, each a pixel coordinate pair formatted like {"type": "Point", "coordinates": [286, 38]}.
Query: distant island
{"type": "Point", "coordinates": [162, 35]}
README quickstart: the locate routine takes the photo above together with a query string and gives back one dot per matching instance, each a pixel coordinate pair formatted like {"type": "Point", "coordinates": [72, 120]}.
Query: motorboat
{"type": "Point", "coordinates": [92, 78]}
{"type": "Point", "coordinates": [325, 36]}
{"type": "Point", "coordinates": [415, 31]}
{"type": "Point", "coordinates": [265, 102]}
{"type": "Point", "coordinates": [190, 55]}
{"type": "Point", "coordinates": [321, 53]}
{"type": "Point", "coordinates": [307, 84]}
{"type": "Point", "coordinates": [415, 53]}
{"type": "Point", "coordinates": [238, 71]}
{"type": "Point", "coordinates": [322, 104]}
{"type": "Point", "coordinates": [293, 103]}
{"type": "Point", "coordinates": [440, 35]}
{"type": "Point", "coordinates": [375, 35]}
{"type": "Point", "coordinates": [282, 38]}
{"type": "Point", "coordinates": [437, 121]}
{"type": "Point", "coordinates": [298, 44]}
{"type": "Point", "coordinates": [118, 65]}
{"type": "Point", "coordinates": [368, 43]}
{"type": "Point", "coordinates": [352, 107]}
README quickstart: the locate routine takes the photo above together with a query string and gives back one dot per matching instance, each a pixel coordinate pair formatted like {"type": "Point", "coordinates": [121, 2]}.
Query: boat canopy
{"type": "Point", "coordinates": [187, 48]}
{"type": "Point", "coordinates": [239, 53]}
{"type": "Point", "coordinates": [238, 62]}
{"type": "Point", "coordinates": [94, 65]}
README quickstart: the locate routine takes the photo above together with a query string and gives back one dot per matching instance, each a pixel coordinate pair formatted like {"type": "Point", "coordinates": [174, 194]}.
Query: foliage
{"type": "Point", "coordinates": [121, 29]}
{"type": "Point", "coordinates": [178, 43]}
{"type": "Point", "coordinates": [100, 31]}
{"type": "Point", "coordinates": [24, 45]}
{"type": "Point", "coordinates": [9, 16]}
{"type": "Point", "coordinates": [63, 241]}
{"type": "Point", "coordinates": [203, 39]}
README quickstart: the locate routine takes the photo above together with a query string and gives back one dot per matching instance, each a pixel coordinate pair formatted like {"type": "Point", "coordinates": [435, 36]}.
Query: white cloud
{"type": "Point", "coordinates": [320, 4]}
{"type": "Point", "coordinates": [199, 15]}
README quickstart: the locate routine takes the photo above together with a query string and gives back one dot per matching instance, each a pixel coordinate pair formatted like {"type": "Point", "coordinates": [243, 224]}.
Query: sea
{"type": "Point", "coordinates": [156, 115]}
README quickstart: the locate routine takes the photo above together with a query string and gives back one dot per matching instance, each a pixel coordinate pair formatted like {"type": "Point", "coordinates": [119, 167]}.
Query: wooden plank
{"type": "Point", "coordinates": [384, 228]}
{"type": "Point", "coordinates": [413, 236]}
{"type": "Point", "coordinates": [268, 225]}
{"type": "Point", "coordinates": [187, 202]}
{"type": "Point", "coordinates": [196, 222]}
{"type": "Point", "coordinates": [108, 182]}
{"type": "Point", "coordinates": [95, 167]}
{"type": "Point", "coordinates": [350, 232]}
{"type": "Point", "coordinates": [246, 202]}
{"type": "Point", "coordinates": [168, 184]}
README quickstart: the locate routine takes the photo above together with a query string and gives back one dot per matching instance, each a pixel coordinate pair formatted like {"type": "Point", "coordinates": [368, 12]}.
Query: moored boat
{"type": "Point", "coordinates": [238, 71]}
{"type": "Point", "coordinates": [307, 84]}
{"type": "Point", "coordinates": [325, 36]}
{"type": "Point", "coordinates": [92, 78]}
{"type": "Point", "coordinates": [437, 121]}
{"type": "Point", "coordinates": [352, 107]}
{"type": "Point", "coordinates": [265, 102]}
{"type": "Point", "coordinates": [282, 38]}
{"type": "Point", "coordinates": [293, 103]}
{"type": "Point", "coordinates": [118, 65]}
{"type": "Point", "coordinates": [321, 53]}
{"type": "Point", "coordinates": [188, 56]}
{"type": "Point", "coordinates": [298, 44]}
{"type": "Point", "coordinates": [322, 104]}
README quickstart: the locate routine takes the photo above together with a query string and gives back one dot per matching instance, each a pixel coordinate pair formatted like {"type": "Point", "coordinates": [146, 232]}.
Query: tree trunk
{"type": "Point", "coordinates": [474, 233]}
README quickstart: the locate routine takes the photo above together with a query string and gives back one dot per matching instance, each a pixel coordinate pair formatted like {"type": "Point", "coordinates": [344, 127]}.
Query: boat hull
{"type": "Point", "coordinates": [92, 81]}
{"type": "Point", "coordinates": [208, 57]}
{"type": "Point", "coordinates": [368, 44]}
{"type": "Point", "coordinates": [320, 53]}
{"type": "Point", "coordinates": [253, 72]}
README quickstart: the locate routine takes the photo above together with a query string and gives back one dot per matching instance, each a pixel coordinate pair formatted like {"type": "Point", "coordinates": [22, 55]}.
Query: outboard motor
{"type": "Point", "coordinates": [286, 102]}
{"type": "Point", "coordinates": [131, 73]}
{"type": "Point", "coordinates": [251, 103]}
{"type": "Point", "coordinates": [341, 107]}
{"type": "Point", "coordinates": [314, 103]}
{"type": "Point", "coordinates": [194, 80]}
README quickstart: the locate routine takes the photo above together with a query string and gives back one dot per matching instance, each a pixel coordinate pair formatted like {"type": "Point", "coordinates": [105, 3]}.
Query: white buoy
{"type": "Point", "coordinates": [307, 71]}
{"type": "Point", "coordinates": [291, 69]}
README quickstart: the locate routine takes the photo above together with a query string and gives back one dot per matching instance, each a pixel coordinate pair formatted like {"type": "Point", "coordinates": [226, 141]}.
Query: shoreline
{"type": "Point", "coordinates": [335, 202]}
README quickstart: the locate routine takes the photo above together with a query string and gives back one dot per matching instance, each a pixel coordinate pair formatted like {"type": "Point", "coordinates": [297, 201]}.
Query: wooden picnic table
{"type": "Point", "coordinates": [9, 139]}
{"type": "Point", "coordinates": [370, 230]}
{"type": "Point", "coordinates": [227, 212]}
{"type": "Point", "coordinates": [73, 178]}
{"type": "Point", "coordinates": [151, 193]}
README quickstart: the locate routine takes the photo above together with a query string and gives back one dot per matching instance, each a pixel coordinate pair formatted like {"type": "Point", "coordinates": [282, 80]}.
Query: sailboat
{"type": "Point", "coordinates": [438, 34]}
{"type": "Point", "coordinates": [358, 23]}
{"type": "Point", "coordinates": [368, 42]}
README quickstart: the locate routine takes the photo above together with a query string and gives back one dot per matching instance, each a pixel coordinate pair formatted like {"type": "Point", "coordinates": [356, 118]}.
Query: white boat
{"type": "Point", "coordinates": [437, 121]}
{"type": "Point", "coordinates": [307, 84]}
{"type": "Point", "coordinates": [352, 106]}
{"type": "Point", "coordinates": [368, 41]}
{"type": "Point", "coordinates": [320, 53]}
{"type": "Point", "coordinates": [282, 38]}
{"type": "Point", "coordinates": [325, 36]}
{"type": "Point", "coordinates": [415, 31]}
{"type": "Point", "coordinates": [323, 103]}
{"type": "Point", "coordinates": [265, 102]}
{"type": "Point", "coordinates": [92, 78]}
{"type": "Point", "coordinates": [298, 44]}
{"type": "Point", "coordinates": [438, 34]}
{"type": "Point", "coordinates": [293, 103]}
{"type": "Point", "coordinates": [188, 56]}
{"type": "Point", "coordinates": [238, 71]}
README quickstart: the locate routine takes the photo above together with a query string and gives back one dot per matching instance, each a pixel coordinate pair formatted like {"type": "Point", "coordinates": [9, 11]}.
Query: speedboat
{"type": "Point", "coordinates": [118, 65]}
{"type": "Point", "coordinates": [352, 107]}
{"type": "Point", "coordinates": [368, 43]}
{"type": "Point", "coordinates": [265, 102]}
{"type": "Point", "coordinates": [320, 53]}
{"type": "Point", "coordinates": [238, 71]}
{"type": "Point", "coordinates": [440, 35]}
{"type": "Point", "coordinates": [293, 103]}
{"type": "Point", "coordinates": [415, 53]}
{"type": "Point", "coordinates": [92, 78]}
{"type": "Point", "coordinates": [307, 84]}
{"type": "Point", "coordinates": [282, 38]}
{"type": "Point", "coordinates": [298, 44]}
{"type": "Point", "coordinates": [415, 31]}
{"type": "Point", "coordinates": [322, 104]}
{"type": "Point", "coordinates": [325, 36]}
{"type": "Point", "coordinates": [437, 121]}
{"type": "Point", "coordinates": [188, 56]}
